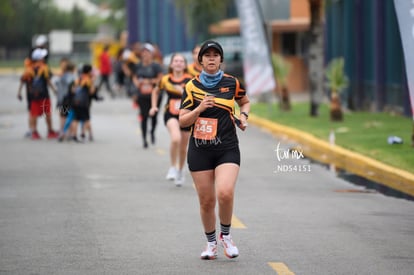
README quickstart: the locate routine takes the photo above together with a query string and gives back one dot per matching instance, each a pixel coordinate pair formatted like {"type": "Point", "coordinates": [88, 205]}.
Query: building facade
{"type": "Point", "coordinates": [366, 34]}
{"type": "Point", "coordinates": [160, 23]}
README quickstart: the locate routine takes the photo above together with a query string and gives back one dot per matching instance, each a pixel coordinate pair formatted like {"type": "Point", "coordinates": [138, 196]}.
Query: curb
{"type": "Point", "coordinates": [17, 71]}
{"type": "Point", "coordinates": [327, 153]}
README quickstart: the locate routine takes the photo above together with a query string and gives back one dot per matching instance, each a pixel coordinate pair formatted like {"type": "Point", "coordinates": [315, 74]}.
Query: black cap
{"type": "Point", "coordinates": [207, 45]}
{"type": "Point", "coordinates": [86, 68]}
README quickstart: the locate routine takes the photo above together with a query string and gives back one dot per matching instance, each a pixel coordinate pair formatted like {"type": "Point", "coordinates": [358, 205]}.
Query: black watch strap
{"type": "Point", "coordinates": [245, 114]}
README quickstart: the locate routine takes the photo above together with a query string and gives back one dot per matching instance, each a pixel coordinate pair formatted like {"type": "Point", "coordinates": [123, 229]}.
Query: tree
{"type": "Point", "coordinates": [281, 69]}
{"type": "Point", "coordinates": [199, 15]}
{"type": "Point", "coordinates": [336, 81]}
{"type": "Point", "coordinates": [23, 19]}
{"type": "Point", "coordinates": [117, 13]}
{"type": "Point", "coordinates": [315, 56]}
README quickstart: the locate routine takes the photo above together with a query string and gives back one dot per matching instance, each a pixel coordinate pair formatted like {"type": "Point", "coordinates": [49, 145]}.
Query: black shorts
{"type": "Point", "coordinates": [81, 113]}
{"type": "Point", "coordinates": [168, 115]}
{"type": "Point", "coordinates": [200, 160]}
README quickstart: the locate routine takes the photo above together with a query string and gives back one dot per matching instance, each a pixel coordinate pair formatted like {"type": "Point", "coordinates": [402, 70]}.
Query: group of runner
{"type": "Point", "coordinates": [199, 114]}
{"type": "Point", "coordinates": [146, 81]}
{"type": "Point", "coordinates": [73, 86]}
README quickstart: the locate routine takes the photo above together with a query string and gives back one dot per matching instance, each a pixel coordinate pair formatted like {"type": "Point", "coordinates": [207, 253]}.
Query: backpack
{"type": "Point", "coordinates": [38, 86]}
{"type": "Point", "coordinates": [81, 97]}
{"type": "Point", "coordinates": [68, 96]}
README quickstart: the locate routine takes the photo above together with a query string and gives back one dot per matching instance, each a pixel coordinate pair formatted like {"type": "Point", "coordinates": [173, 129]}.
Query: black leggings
{"type": "Point", "coordinates": [144, 103]}
{"type": "Point", "coordinates": [105, 80]}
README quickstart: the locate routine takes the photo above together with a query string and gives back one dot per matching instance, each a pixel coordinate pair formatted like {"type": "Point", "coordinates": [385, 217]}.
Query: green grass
{"type": "Point", "coordinates": [18, 64]}
{"type": "Point", "coordinates": [11, 64]}
{"type": "Point", "coordinates": [361, 132]}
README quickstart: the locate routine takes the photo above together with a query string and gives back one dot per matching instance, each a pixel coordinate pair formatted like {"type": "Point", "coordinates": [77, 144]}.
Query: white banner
{"type": "Point", "coordinates": [61, 42]}
{"type": "Point", "coordinates": [405, 16]}
{"type": "Point", "coordinates": [258, 70]}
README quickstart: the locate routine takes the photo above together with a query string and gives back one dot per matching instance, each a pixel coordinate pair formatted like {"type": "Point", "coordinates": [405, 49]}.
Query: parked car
{"type": "Point", "coordinates": [233, 64]}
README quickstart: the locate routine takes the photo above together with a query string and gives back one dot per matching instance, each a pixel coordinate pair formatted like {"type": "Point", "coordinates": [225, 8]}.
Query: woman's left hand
{"type": "Point", "coordinates": [243, 123]}
{"type": "Point", "coordinates": [153, 111]}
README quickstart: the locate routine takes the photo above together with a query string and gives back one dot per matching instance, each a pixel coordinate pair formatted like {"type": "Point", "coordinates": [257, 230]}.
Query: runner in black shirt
{"type": "Point", "coordinates": [146, 76]}
{"type": "Point", "coordinates": [208, 106]}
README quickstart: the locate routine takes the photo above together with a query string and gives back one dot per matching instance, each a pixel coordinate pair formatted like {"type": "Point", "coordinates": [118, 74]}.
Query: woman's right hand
{"type": "Point", "coordinates": [208, 102]}
{"type": "Point", "coordinates": [153, 111]}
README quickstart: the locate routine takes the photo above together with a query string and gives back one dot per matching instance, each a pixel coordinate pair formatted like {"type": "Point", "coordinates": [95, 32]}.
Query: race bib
{"type": "Point", "coordinates": [205, 128]}
{"type": "Point", "coordinates": [174, 106]}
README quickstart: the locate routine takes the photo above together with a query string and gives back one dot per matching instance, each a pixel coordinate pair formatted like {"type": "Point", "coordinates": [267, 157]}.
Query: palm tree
{"type": "Point", "coordinates": [281, 69]}
{"type": "Point", "coordinates": [315, 56]}
{"type": "Point", "coordinates": [336, 81]}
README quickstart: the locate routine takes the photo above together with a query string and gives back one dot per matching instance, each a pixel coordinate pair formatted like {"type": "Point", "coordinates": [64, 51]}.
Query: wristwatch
{"type": "Point", "coordinates": [245, 114]}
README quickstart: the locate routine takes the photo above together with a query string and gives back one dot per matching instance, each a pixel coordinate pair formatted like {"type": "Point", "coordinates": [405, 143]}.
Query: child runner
{"type": "Point", "coordinates": [63, 85]}
{"type": "Point", "coordinates": [40, 104]}
{"type": "Point", "coordinates": [83, 90]}
{"type": "Point", "coordinates": [25, 80]}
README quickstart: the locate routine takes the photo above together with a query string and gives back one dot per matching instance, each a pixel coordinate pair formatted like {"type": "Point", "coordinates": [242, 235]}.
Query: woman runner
{"type": "Point", "coordinates": [208, 106]}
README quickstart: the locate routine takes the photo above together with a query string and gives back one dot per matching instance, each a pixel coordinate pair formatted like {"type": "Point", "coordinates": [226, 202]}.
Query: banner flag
{"type": "Point", "coordinates": [257, 66]}
{"type": "Point", "coordinates": [405, 16]}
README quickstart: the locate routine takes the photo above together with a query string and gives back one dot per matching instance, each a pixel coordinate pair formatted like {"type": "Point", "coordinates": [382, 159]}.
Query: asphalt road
{"type": "Point", "coordinates": [105, 207]}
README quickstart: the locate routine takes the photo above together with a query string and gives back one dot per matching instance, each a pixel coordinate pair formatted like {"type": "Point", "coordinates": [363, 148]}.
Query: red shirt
{"type": "Point", "coordinates": [105, 64]}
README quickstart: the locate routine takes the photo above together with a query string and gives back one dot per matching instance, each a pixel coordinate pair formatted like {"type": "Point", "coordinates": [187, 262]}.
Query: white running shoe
{"type": "Point", "coordinates": [172, 173]}
{"type": "Point", "coordinates": [179, 179]}
{"type": "Point", "coordinates": [230, 250]}
{"type": "Point", "coordinates": [210, 253]}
